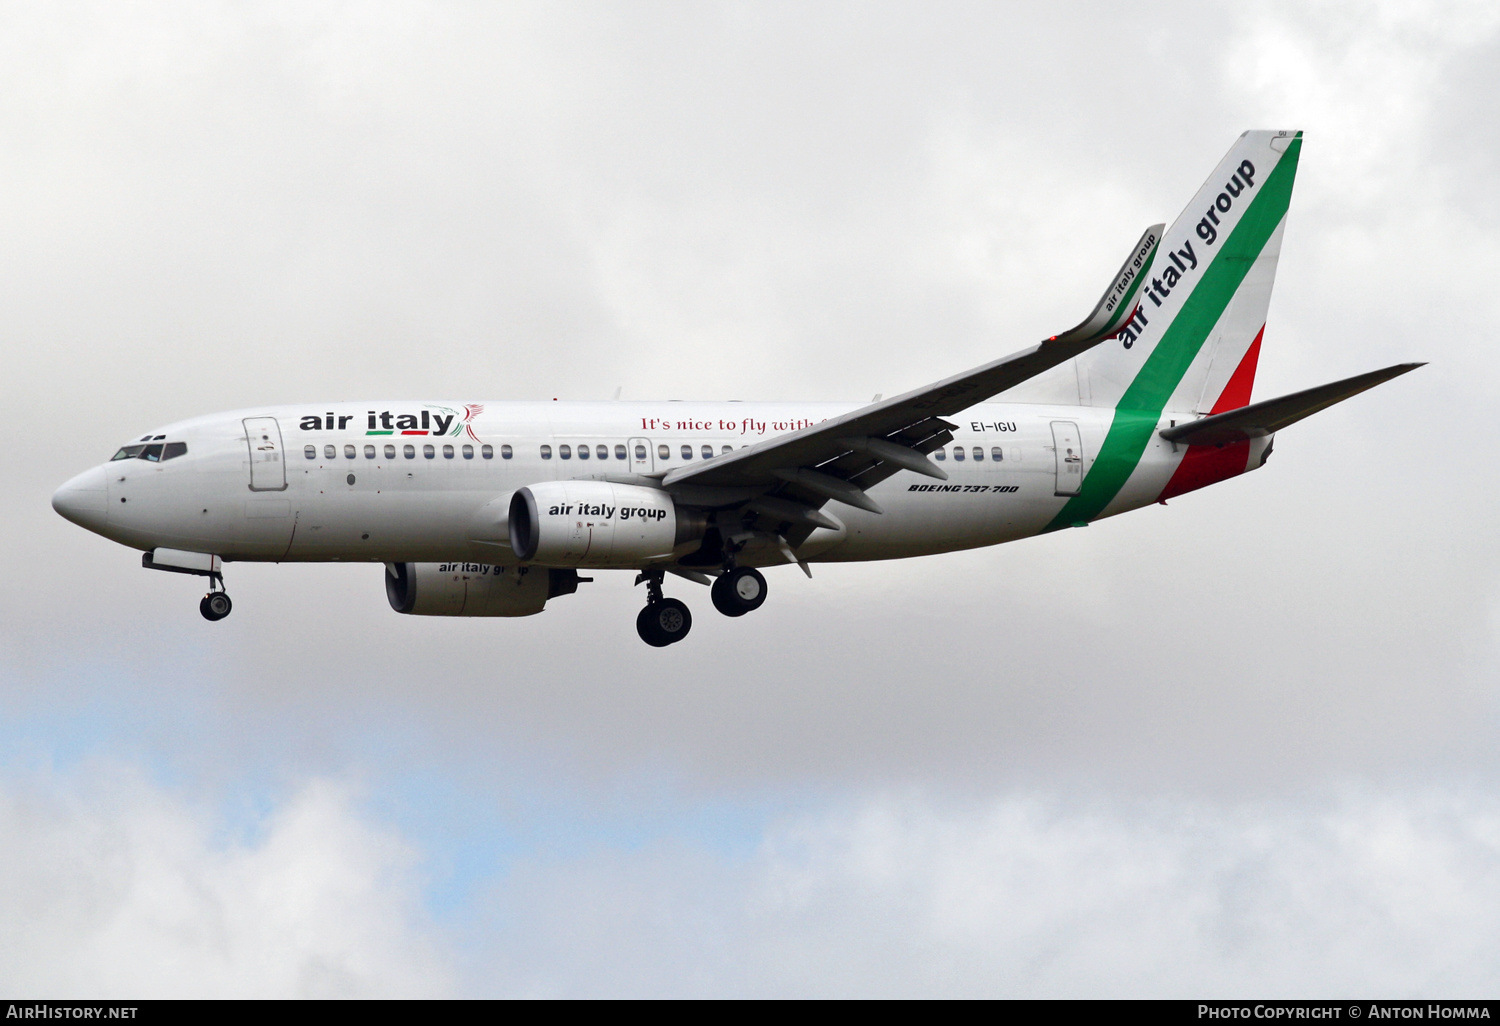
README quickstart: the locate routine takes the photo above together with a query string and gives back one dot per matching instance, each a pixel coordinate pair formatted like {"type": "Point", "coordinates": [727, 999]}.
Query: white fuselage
{"type": "Point", "coordinates": [346, 483]}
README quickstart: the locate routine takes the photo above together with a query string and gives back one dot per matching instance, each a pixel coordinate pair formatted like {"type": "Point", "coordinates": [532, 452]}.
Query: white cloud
{"type": "Point", "coordinates": [114, 887]}
{"type": "Point", "coordinates": [110, 886]}
{"type": "Point", "coordinates": [1031, 896]}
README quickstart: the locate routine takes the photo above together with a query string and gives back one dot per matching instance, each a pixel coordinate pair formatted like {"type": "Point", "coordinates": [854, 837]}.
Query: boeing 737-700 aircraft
{"type": "Point", "coordinates": [493, 508]}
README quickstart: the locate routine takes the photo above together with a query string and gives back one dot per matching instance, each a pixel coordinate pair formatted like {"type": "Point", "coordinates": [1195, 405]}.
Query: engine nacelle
{"type": "Point", "coordinates": [473, 589]}
{"type": "Point", "coordinates": [595, 523]}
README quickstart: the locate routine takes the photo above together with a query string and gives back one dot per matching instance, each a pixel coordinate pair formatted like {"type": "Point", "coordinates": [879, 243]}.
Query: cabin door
{"type": "Point", "coordinates": [267, 469]}
{"type": "Point", "coordinates": [1069, 452]}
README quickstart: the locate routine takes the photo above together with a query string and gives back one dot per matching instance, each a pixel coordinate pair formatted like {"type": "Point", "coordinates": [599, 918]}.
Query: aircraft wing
{"type": "Point", "coordinates": [840, 458]}
{"type": "Point", "coordinates": [1265, 418]}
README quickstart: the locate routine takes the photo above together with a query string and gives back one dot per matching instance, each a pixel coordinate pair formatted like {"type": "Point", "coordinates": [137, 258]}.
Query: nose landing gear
{"type": "Point", "coordinates": [215, 605]}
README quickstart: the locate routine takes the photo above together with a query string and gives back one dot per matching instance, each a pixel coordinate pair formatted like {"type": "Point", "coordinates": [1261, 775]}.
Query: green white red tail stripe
{"type": "Point", "coordinates": [1201, 317]}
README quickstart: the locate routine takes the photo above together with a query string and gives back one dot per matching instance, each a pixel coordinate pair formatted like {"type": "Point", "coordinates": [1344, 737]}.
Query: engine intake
{"type": "Point", "coordinates": [474, 589]}
{"type": "Point", "coordinates": [595, 523]}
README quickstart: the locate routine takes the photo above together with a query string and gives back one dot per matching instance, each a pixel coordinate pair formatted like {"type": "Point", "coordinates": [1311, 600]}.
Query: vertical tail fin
{"type": "Point", "coordinates": [1193, 340]}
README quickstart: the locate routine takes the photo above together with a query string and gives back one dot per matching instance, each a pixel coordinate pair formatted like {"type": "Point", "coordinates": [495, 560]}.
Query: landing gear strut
{"type": "Point", "coordinates": [739, 591]}
{"type": "Point", "coordinates": [664, 621]}
{"type": "Point", "coordinates": [215, 605]}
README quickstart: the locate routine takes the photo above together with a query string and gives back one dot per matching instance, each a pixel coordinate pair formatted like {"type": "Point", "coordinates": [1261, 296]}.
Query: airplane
{"type": "Point", "coordinates": [494, 508]}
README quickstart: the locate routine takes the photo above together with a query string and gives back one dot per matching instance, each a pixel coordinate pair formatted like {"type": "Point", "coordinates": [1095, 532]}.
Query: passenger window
{"type": "Point", "coordinates": [978, 453]}
{"type": "Point", "coordinates": [583, 452]}
{"type": "Point", "coordinates": [447, 452]}
{"type": "Point", "coordinates": [602, 451]}
{"type": "Point", "coordinates": [311, 452]}
{"type": "Point", "coordinates": [940, 454]}
{"type": "Point", "coordinates": [390, 452]}
{"type": "Point", "coordinates": [640, 451]}
{"type": "Point", "coordinates": [468, 452]}
{"type": "Point", "coordinates": [348, 452]}
{"type": "Point", "coordinates": [565, 452]}
{"type": "Point", "coordinates": [958, 453]}
{"type": "Point", "coordinates": [727, 448]}
{"type": "Point", "coordinates": [409, 451]}
{"type": "Point", "coordinates": [664, 452]}
{"type": "Point", "coordinates": [173, 450]}
{"type": "Point", "coordinates": [620, 452]}
{"type": "Point", "coordinates": [546, 452]}
{"type": "Point", "coordinates": [708, 452]}
{"type": "Point", "coordinates": [428, 452]}
{"type": "Point", "coordinates": [505, 452]}
{"type": "Point", "coordinates": [997, 454]}
{"type": "Point", "coordinates": [687, 452]}
{"type": "Point", "coordinates": [369, 452]}
{"type": "Point", "coordinates": [329, 452]}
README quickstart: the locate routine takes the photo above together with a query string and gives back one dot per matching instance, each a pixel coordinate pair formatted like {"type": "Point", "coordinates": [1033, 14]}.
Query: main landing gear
{"type": "Point", "coordinates": [739, 591]}
{"type": "Point", "coordinates": [215, 605]}
{"type": "Point", "coordinates": [664, 621]}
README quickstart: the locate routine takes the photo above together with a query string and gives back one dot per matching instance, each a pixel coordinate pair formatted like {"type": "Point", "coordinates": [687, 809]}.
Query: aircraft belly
{"type": "Point", "coordinates": [385, 526]}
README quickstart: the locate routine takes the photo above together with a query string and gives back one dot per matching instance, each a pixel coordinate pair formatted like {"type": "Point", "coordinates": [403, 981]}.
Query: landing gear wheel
{"type": "Point", "coordinates": [739, 591]}
{"type": "Point", "coordinates": [663, 623]}
{"type": "Point", "coordinates": [215, 605]}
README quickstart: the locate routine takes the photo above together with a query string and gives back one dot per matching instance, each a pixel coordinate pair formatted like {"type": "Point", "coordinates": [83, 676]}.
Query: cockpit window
{"type": "Point", "coordinates": [152, 452]}
{"type": "Point", "coordinates": [172, 450]}
{"type": "Point", "coordinates": [129, 452]}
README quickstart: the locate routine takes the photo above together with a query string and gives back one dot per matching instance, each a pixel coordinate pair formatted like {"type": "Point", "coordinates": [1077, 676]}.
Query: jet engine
{"type": "Point", "coordinates": [474, 589]}
{"type": "Point", "coordinates": [595, 523]}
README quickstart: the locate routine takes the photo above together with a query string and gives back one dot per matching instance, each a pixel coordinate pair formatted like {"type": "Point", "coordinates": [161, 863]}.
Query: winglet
{"type": "Point", "coordinates": [1119, 299]}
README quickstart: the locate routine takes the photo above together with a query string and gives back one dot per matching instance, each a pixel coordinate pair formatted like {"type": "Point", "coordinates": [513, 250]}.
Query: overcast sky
{"type": "Point", "coordinates": [1243, 744]}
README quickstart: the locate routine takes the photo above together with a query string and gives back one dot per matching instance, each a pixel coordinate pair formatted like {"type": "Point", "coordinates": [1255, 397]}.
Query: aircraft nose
{"type": "Point", "coordinates": [84, 500]}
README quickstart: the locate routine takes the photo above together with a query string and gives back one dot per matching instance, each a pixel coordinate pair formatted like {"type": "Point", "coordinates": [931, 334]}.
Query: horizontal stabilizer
{"type": "Point", "coordinates": [1261, 419]}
